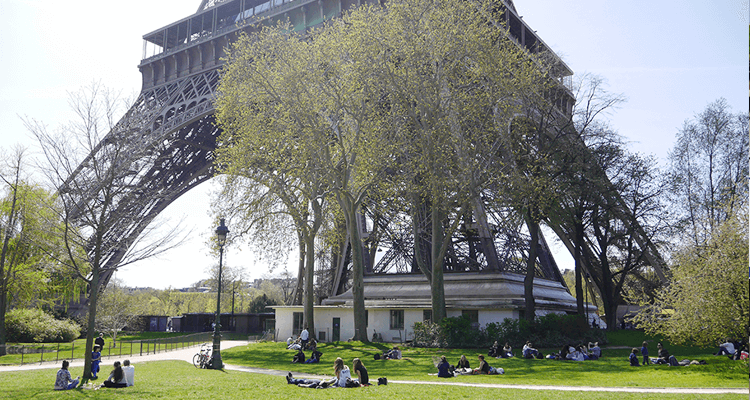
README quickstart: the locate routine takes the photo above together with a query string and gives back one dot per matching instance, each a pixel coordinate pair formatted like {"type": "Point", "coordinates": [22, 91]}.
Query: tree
{"type": "Point", "coordinates": [116, 309]}
{"type": "Point", "coordinates": [27, 277]}
{"type": "Point", "coordinates": [94, 164]}
{"type": "Point", "coordinates": [707, 299]}
{"type": "Point", "coordinates": [709, 169]}
{"type": "Point", "coordinates": [310, 99]}
{"type": "Point", "coordinates": [619, 257]}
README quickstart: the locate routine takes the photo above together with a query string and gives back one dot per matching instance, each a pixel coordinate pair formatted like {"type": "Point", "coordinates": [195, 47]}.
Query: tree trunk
{"type": "Point", "coordinates": [298, 290]}
{"type": "Point", "coordinates": [91, 324]}
{"type": "Point", "coordinates": [528, 282]}
{"type": "Point", "coordinates": [579, 265]}
{"type": "Point", "coordinates": [309, 297]}
{"type": "Point", "coordinates": [358, 265]}
{"type": "Point", "coordinates": [437, 286]}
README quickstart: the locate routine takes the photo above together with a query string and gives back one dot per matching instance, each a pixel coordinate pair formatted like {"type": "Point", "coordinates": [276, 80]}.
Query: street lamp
{"type": "Point", "coordinates": [221, 236]}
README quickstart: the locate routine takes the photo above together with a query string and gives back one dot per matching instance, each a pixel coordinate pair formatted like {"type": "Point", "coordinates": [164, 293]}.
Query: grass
{"type": "Point", "coordinates": [613, 370]}
{"type": "Point", "coordinates": [177, 380]}
{"type": "Point", "coordinates": [127, 344]}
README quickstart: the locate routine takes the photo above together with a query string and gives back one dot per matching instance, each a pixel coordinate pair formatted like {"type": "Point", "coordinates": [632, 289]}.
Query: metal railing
{"type": "Point", "coordinates": [55, 352]}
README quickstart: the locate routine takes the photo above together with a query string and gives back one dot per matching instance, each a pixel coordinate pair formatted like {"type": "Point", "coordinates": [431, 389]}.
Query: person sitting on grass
{"type": "Point", "coordinates": [494, 350]}
{"type": "Point", "coordinates": [529, 351]}
{"type": "Point", "coordinates": [595, 350]}
{"type": "Point", "coordinates": [116, 378]}
{"type": "Point", "coordinates": [634, 358]}
{"type": "Point", "coordinates": [664, 357]}
{"type": "Point", "coordinates": [63, 381]}
{"type": "Point", "coordinates": [314, 357]}
{"type": "Point", "coordinates": [310, 383]}
{"type": "Point", "coordinates": [484, 368]}
{"type": "Point", "coordinates": [393, 354]}
{"type": "Point", "coordinates": [299, 357]}
{"type": "Point", "coordinates": [726, 348]}
{"type": "Point", "coordinates": [507, 351]}
{"type": "Point", "coordinates": [444, 369]}
{"type": "Point", "coordinates": [129, 372]}
{"type": "Point", "coordinates": [362, 377]}
{"type": "Point", "coordinates": [341, 371]}
{"type": "Point", "coordinates": [463, 362]}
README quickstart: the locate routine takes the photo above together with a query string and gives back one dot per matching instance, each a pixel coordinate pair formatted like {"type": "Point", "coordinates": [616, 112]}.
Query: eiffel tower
{"type": "Point", "coordinates": [174, 116]}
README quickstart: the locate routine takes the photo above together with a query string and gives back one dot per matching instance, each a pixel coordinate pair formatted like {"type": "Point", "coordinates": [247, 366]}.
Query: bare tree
{"type": "Point", "coordinates": [96, 165]}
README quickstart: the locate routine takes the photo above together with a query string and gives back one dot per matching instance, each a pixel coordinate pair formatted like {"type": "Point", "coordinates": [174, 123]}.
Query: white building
{"type": "Point", "coordinates": [395, 302]}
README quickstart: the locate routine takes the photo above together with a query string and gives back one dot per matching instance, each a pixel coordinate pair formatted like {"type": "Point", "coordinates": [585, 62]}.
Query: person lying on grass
{"type": "Point", "coordinates": [310, 383]}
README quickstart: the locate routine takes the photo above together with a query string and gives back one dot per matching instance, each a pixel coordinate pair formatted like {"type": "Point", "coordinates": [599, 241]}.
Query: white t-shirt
{"type": "Point", "coordinates": [304, 335]}
{"type": "Point", "coordinates": [343, 375]}
{"type": "Point", "coordinates": [129, 372]}
{"type": "Point", "coordinates": [729, 346]}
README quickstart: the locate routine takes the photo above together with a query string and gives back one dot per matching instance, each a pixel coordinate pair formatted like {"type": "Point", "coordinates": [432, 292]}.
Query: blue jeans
{"type": "Point", "coordinates": [295, 381]}
{"type": "Point", "coordinates": [71, 385]}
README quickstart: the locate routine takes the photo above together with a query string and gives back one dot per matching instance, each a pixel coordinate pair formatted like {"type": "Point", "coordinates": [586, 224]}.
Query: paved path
{"type": "Point", "coordinates": [188, 353]}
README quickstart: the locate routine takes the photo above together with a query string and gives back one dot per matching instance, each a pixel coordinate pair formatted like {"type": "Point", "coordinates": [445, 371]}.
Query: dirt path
{"type": "Point", "coordinates": [188, 353]}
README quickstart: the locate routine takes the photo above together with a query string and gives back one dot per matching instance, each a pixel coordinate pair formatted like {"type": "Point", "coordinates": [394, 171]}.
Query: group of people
{"type": "Point", "coordinates": [462, 367]}
{"type": "Point", "coordinates": [662, 357]}
{"type": "Point", "coordinates": [592, 351]}
{"type": "Point", "coordinates": [734, 349]}
{"type": "Point", "coordinates": [123, 375]}
{"type": "Point", "coordinates": [342, 377]}
{"type": "Point", "coordinates": [505, 352]}
{"type": "Point", "coordinates": [304, 342]}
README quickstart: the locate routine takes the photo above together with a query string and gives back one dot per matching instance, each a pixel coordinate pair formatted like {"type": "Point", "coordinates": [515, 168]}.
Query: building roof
{"type": "Point", "coordinates": [462, 290]}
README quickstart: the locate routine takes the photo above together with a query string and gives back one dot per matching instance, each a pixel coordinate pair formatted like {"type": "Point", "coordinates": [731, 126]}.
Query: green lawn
{"type": "Point", "coordinates": [417, 364]}
{"type": "Point", "coordinates": [180, 380]}
{"type": "Point", "coordinates": [127, 344]}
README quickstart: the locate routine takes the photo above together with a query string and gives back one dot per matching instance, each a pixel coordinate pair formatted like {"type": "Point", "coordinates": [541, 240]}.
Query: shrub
{"type": "Point", "coordinates": [428, 334]}
{"type": "Point", "coordinates": [34, 325]}
{"type": "Point", "coordinates": [548, 331]}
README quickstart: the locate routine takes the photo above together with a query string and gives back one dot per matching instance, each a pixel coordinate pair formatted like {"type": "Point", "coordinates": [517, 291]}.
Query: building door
{"type": "Point", "coordinates": [336, 336]}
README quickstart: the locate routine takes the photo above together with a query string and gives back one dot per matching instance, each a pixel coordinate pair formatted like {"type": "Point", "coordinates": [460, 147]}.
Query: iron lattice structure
{"type": "Point", "coordinates": [173, 118]}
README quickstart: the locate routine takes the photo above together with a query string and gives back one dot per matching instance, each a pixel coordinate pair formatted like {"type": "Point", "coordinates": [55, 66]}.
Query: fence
{"type": "Point", "coordinates": [54, 352]}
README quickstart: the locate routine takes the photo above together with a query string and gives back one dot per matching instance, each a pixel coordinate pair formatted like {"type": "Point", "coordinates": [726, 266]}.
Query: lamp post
{"type": "Point", "coordinates": [216, 363]}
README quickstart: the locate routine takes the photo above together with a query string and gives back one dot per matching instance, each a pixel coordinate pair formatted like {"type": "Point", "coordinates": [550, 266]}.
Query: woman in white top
{"type": "Point", "coordinates": [342, 372]}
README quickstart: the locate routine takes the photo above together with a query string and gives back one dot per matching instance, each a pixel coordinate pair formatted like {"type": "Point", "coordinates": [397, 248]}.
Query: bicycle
{"type": "Point", "coordinates": [202, 359]}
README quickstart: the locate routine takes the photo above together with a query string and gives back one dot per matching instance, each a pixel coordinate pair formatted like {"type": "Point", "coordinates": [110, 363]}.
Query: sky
{"type": "Point", "coordinates": [669, 58]}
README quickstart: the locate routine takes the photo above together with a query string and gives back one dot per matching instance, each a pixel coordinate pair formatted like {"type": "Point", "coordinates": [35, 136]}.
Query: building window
{"type": "Point", "coordinates": [473, 316]}
{"type": "Point", "coordinates": [367, 318]}
{"type": "Point", "coordinates": [427, 315]}
{"type": "Point", "coordinates": [397, 319]}
{"type": "Point", "coordinates": [296, 323]}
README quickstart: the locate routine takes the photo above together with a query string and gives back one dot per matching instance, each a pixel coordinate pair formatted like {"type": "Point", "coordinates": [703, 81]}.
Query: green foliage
{"type": "Point", "coordinates": [551, 330]}
{"type": "Point", "coordinates": [708, 297]}
{"type": "Point", "coordinates": [34, 325]}
{"type": "Point", "coordinates": [259, 304]}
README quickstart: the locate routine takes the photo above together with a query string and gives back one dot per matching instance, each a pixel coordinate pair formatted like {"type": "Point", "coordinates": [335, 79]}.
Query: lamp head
{"type": "Point", "coordinates": [221, 233]}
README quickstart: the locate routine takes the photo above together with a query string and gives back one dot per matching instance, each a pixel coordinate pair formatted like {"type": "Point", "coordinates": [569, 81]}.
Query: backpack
{"type": "Point", "coordinates": [377, 356]}
{"type": "Point", "coordinates": [382, 381]}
